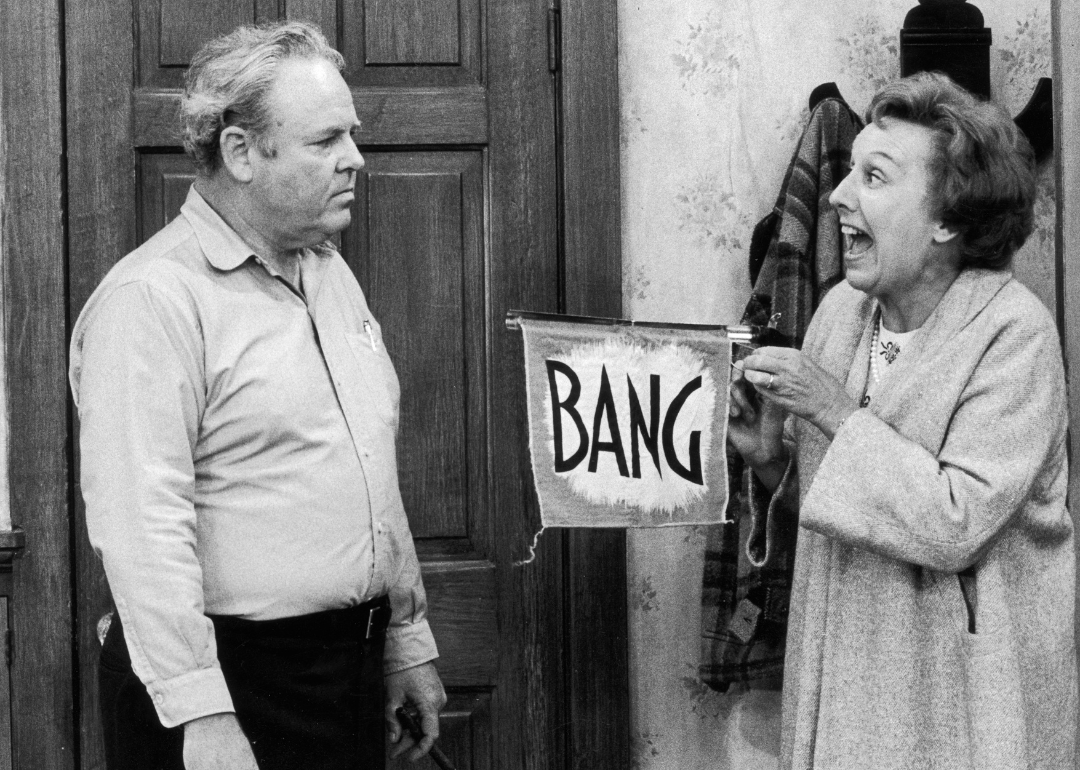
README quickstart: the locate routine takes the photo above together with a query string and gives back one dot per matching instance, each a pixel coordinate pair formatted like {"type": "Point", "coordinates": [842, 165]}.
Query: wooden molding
{"type": "Point", "coordinates": [34, 236]}
{"type": "Point", "coordinates": [592, 285]}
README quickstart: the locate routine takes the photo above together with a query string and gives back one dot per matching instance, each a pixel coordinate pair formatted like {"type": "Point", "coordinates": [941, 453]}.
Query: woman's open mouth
{"type": "Point", "coordinates": [856, 241]}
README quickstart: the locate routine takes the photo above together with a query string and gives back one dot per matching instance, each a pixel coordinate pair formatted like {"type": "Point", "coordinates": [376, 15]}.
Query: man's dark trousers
{"type": "Point", "coordinates": [308, 693]}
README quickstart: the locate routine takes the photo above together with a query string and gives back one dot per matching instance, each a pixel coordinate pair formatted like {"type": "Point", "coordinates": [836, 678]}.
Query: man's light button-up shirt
{"type": "Point", "coordinates": [237, 453]}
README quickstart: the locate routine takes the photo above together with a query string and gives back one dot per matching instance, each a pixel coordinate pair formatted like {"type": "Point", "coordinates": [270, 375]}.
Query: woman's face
{"type": "Point", "coordinates": [894, 242]}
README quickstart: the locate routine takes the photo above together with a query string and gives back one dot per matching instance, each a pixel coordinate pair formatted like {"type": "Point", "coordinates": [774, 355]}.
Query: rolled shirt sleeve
{"type": "Point", "coordinates": [409, 641]}
{"type": "Point", "coordinates": [408, 644]}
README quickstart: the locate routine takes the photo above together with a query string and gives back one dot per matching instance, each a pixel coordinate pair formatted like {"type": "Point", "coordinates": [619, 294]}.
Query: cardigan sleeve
{"type": "Point", "coordinates": [878, 490]}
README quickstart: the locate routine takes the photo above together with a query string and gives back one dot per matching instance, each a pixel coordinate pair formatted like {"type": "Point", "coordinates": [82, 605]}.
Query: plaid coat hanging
{"type": "Point", "coordinates": [795, 258]}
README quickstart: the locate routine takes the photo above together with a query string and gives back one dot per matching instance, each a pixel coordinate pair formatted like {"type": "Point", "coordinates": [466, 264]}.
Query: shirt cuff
{"type": "Point", "coordinates": [190, 696]}
{"type": "Point", "coordinates": [408, 645]}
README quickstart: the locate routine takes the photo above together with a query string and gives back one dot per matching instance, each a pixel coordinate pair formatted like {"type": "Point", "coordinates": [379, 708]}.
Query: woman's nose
{"type": "Point", "coordinates": [841, 195]}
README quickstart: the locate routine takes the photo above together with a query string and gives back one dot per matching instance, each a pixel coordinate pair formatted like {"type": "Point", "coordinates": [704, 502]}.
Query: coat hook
{"type": "Point", "coordinates": [1036, 120]}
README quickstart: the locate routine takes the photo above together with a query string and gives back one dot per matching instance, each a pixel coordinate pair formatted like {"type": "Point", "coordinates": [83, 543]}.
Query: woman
{"type": "Point", "coordinates": [925, 451]}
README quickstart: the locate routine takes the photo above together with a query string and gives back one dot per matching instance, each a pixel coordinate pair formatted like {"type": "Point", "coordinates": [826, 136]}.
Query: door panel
{"type": "Point", "coordinates": [417, 246]}
{"type": "Point", "coordinates": [163, 180]}
{"type": "Point", "coordinates": [169, 33]}
{"type": "Point", "coordinates": [412, 32]}
{"type": "Point", "coordinates": [412, 42]}
{"type": "Point", "coordinates": [462, 599]}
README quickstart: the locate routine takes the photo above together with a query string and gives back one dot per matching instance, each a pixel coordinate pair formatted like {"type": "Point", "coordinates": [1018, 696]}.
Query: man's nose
{"type": "Point", "coordinates": [352, 160]}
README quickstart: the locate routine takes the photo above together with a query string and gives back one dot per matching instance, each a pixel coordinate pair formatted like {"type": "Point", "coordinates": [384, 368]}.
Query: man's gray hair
{"type": "Point", "coordinates": [230, 77]}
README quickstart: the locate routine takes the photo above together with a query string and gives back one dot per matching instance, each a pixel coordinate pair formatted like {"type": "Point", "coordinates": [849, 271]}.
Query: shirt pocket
{"type": "Point", "coordinates": [377, 371]}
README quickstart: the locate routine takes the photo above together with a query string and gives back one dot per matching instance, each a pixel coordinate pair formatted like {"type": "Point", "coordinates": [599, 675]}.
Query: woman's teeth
{"type": "Point", "coordinates": [855, 240]}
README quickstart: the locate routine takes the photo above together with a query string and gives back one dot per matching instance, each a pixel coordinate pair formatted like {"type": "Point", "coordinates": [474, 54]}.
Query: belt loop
{"type": "Point", "coordinates": [377, 623]}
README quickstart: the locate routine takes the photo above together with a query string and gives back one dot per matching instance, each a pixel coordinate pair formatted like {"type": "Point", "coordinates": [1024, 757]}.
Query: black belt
{"type": "Point", "coordinates": [365, 621]}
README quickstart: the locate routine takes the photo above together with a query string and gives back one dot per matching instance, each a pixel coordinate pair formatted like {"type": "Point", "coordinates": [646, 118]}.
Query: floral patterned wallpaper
{"type": "Point", "coordinates": [714, 96]}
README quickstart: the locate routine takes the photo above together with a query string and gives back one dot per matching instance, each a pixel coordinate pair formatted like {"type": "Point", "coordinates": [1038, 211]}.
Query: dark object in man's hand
{"type": "Point", "coordinates": [409, 723]}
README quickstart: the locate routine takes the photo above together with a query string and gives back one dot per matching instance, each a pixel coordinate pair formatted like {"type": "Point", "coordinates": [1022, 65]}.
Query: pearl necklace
{"type": "Point", "coordinates": [873, 352]}
{"type": "Point", "coordinates": [865, 402]}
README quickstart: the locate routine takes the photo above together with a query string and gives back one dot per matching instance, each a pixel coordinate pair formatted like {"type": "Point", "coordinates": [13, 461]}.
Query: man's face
{"type": "Point", "coordinates": [302, 188]}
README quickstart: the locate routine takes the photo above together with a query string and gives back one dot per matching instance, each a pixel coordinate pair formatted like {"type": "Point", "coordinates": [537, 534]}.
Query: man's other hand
{"type": "Point", "coordinates": [216, 742]}
{"type": "Point", "coordinates": [421, 688]}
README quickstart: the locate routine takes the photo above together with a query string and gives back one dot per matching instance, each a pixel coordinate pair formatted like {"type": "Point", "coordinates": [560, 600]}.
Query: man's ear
{"type": "Point", "coordinates": [236, 146]}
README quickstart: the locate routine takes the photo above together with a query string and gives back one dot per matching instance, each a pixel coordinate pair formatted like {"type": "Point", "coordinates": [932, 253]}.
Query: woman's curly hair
{"type": "Point", "coordinates": [983, 173]}
{"type": "Point", "coordinates": [229, 78]}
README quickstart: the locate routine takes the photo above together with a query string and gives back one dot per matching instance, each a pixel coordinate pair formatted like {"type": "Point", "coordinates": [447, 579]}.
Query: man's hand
{"type": "Point", "coordinates": [421, 688]}
{"type": "Point", "coordinates": [216, 742]}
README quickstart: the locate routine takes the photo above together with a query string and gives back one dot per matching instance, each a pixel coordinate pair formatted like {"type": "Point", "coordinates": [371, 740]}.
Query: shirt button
{"type": "Point", "coordinates": [158, 697]}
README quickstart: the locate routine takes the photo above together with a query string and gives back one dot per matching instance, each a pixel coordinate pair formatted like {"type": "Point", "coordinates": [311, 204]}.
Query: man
{"type": "Point", "coordinates": [238, 413]}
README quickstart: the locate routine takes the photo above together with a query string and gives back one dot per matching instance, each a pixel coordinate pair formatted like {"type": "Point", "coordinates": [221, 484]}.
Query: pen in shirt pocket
{"type": "Point", "coordinates": [371, 335]}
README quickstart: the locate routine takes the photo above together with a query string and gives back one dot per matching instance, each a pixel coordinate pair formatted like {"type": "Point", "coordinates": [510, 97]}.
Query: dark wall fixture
{"type": "Point", "coordinates": [949, 36]}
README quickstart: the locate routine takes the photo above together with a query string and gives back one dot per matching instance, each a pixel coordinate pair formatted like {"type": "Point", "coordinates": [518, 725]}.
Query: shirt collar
{"type": "Point", "coordinates": [226, 250]}
{"type": "Point", "coordinates": [222, 246]}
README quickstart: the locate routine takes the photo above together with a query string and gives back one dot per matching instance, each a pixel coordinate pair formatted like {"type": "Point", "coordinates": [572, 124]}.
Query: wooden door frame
{"type": "Point", "coordinates": [595, 582]}
{"type": "Point", "coordinates": [1065, 22]}
{"type": "Point", "coordinates": [34, 285]}
{"type": "Point", "coordinates": [36, 224]}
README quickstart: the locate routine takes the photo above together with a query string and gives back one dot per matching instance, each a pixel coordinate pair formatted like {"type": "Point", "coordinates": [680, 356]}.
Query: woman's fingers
{"type": "Point", "coordinates": [760, 378]}
{"type": "Point", "coordinates": [770, 358]}
{"type": "Point", "coordinates": [739, 405]}
{"type": "Point", "coordinates": [767, 368]}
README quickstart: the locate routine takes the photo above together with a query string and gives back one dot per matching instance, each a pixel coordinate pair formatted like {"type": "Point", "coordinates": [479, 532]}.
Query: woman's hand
{"type": "Point", "coordinates": [755, 426]}
{"type": "Point", "coordinates": [784, 377]}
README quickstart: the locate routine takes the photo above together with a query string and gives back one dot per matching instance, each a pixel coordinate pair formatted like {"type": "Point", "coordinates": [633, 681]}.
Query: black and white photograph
{"type": "Point", "coordinates": [539, 384]}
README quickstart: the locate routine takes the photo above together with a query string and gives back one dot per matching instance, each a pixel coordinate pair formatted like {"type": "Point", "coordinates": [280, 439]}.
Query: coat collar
{"type": "Point", "coordinates": [965, 299]}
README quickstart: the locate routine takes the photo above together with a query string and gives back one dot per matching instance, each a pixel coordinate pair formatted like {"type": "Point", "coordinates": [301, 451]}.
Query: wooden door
{"type": "Point", "coordinates": [457, 220]}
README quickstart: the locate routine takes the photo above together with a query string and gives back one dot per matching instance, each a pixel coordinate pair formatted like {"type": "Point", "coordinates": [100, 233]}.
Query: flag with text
{"type": "Point", "coordinates": [628, 424]}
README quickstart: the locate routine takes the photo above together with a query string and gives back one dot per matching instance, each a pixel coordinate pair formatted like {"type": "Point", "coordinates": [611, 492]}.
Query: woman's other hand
{"type": "Point", "coordinates": [755, 430]}
{"type": "Point", "coordinates": [785, 378]}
